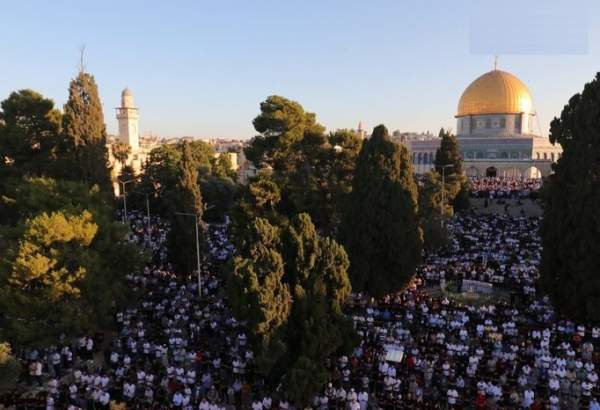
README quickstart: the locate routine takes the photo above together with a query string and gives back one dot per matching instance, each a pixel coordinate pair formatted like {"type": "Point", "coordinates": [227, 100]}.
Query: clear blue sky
{"type": "Point", "coordinates": [201, 68]}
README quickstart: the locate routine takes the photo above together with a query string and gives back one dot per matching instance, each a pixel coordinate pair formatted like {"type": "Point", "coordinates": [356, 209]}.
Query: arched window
{"type": "Point", "coordinates": [538, 155]}
{"type": "Point", "coordinates": [502, 122]}
{"type": "Point", "coordinates": [431, 157]}
{"type": "Point", "coordinates": [414, 158]}
{"type": "Point", "coordinates": [552, 156]}
{"type": "Point", "coordinates": [545, 155]}
{"type": "Point", "coordinates": [488, 123]}
{"type": "Point", "coordinates": [425, 158]}
{"type": "Point", "coordinates": [419, 158]}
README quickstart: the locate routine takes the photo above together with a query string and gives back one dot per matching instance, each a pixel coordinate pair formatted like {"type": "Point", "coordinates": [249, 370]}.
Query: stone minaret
{"type": "Point", "coordinates": [128, 117]}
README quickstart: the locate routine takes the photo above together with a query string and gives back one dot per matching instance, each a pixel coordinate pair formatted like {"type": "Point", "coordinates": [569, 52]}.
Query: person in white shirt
{"type": "Point", "coordinates": [177, 399]}
{"type": "Point", "coordinates": [363, 399]}
{"type": "Point", "coordinates": [452, 397]}
{"type": "Point", "coordinates": [528, 397]}
{"type": "Point", "coordinates": [204, 405]}
{"type": "Point", "coordinates": [104, 398]}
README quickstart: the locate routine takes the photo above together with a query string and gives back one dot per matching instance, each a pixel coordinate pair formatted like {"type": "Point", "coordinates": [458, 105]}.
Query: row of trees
{"type": "Point", "coordinates": [36, 139]}
{"type": "Point", "coordinates": [63, 257]}
{"type": "Point", "coordinates": [291, 278]}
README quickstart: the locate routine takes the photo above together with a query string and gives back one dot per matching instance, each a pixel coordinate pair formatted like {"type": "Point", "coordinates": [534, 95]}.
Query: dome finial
{"type": "Point", "coordinates": [495, 62]}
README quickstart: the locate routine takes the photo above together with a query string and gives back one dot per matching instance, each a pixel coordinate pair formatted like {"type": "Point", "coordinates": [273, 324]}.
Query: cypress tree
{"type": "Point", "coordinates": [186, 198]}
{"type": "Point", "coordinates": [448, 153]}
{"type": "Point", "coordinates": [571, 224]}
{"type": "Point", "coordinates": [381, 229]}
{"type": "Point", "coordinates": [83, 125]}
{"type": "Point", "coordinates": [456, 184]}
{"type": "Point", "coordinates": [290, 285]}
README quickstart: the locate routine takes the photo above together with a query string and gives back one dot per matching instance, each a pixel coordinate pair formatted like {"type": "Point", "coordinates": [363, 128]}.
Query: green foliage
{"type": "Point", "coordinates": [64, 260]}
{"type": "Point", "coordinates": [461, 201]}
{"type": "Point", "coordinates": [50, 254]}
{"type": "Point", "coordinates": [571, 224]}
{"type": "Point", "coordinates": [30, 138]}
{"type": "Point", "coordinates": [186, 198]}
{"type": "Point", "coordinates": [222, 167]}
{"type": "Point", "coordinates": [220, 193]}
{"type": "Point", "coordinates": [381, 230]}
{"type": "Point", "coordinates": [83, 125]}
{"type": "Point", "coordinates": [10, 368]}
{"type": "Point", "coordinates": [162, 172]}
{"type": "Point", "coordinates": [290, 283]}
{"type": "Point", "coordinates": [312, 170]}
{"type": "Point", "coordinates": [258, 199]}
{"type": "Point", "coordinates": [431, 211]}
{"type": "Point", "coordinates": [258, 294]}
{"type": "Point", "coordinates": [121, 152]}
{"type": "Point", "coordinates": [448, 154]}
{"type": "Point", "coordinates": [456, 184]}
{"type": "Point", "coordinates": [283, 124]}
{"type": "Point", "coordinates": [5, 353]}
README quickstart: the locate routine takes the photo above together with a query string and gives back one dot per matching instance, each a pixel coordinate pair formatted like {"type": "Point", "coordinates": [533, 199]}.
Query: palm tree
{"type": "Point", "coordinates": [121, 152]}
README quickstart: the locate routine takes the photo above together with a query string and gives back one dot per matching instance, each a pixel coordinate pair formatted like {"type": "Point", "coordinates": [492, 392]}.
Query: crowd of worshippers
{"type": "Point", "coordinates": [508, 354]}
{"type": "Point", "coordinates": [504, 187]}
{"type": "Point", "coordinates": [417, 350]}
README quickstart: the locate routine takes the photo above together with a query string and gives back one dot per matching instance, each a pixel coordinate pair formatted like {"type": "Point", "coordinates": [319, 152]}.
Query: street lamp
{"type": "Point", "coordinates": [197, 218]}
{"type": "Point", "coordinates": [443, 167]}
{"type": "Point", "coordinates": [147, 195]}
{"type": "Point", "coordinates": [123, 183]}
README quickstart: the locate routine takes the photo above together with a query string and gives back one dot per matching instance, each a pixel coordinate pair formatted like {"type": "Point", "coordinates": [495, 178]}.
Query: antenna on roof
{"type": "Point", "coordinates": [495, 62]}
{"type": "Point", "coordinates": [81, 58]}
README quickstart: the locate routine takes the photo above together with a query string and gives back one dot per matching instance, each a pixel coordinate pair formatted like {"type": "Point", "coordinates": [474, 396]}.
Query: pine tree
{"type": "Point", "coordinates": [571, 224]}
{"type": "Point", "coordinates": [312, 170]}
{"type": "Point", "coordinates": [83, 125]}
{"type": "Point", "coordinates": [64, 261]}
{"type": "Point", "coordinates": [381, 229]}
{"type": "Point", "coordinates": [186, 198]}
{"type": "Point", "coordinates": [29, 134]}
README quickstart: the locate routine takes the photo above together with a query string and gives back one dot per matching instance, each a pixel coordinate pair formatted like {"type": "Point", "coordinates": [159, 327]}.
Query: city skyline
{"type": "Point", "coordinates": [203, 69]}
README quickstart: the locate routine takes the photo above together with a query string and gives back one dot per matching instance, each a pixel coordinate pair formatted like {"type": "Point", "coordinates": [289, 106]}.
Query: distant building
{"type": "Point", "coordinates": [360, 131]}
{"type": "Point", "coordinates": [495, 132]}
{"type": "Point", "coordinates": [246, 168]}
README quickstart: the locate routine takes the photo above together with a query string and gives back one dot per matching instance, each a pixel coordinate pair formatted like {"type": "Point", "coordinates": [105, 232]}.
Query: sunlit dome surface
{"type": "Point", "coordinates": [495, 92]}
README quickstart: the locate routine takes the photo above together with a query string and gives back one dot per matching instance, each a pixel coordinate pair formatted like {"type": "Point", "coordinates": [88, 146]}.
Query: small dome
{"type": "Point", "coordinates": [127, 99]}
{"type": "Point", "coordinates": [495, 92]}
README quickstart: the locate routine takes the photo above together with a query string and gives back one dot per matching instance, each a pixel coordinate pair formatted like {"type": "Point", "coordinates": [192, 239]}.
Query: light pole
{"type": "Point", "coordinates": [123, 183]}
{"type": "Point", "coordinates": [147, 195]}
{"type": "Point", "coordinates": [197, 217]}
{"type": "Point", "coordinates": [443, 167]}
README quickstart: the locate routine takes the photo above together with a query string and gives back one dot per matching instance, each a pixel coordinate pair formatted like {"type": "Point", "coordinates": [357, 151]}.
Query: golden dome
{"type": "Point", "coordinates": [495, 92]}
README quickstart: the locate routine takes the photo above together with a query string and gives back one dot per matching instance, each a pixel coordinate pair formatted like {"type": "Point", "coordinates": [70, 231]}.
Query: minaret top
{"type": "Point", "coordinates": [127, 99]}
{"type": "Point", "coordinates": [495, 62]}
